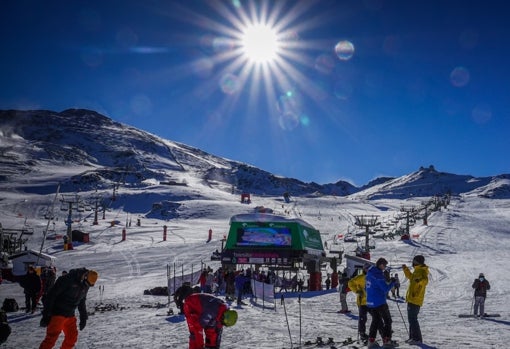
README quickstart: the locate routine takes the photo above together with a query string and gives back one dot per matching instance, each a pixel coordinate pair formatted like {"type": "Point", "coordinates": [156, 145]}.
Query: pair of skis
{"type": "Point", "coordinates": [329, 343]}
{"type": "Point", "coordinates": [474, 316]}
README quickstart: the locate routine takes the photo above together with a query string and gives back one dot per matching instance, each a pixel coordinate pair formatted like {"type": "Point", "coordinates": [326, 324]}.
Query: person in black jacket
{"type": "Point", "coordinates": [68, 293]}
{"type": "Point", "coordinates": [481, 286]}
{"type": "Point", "coordinates": [180, 294]}
{"type": "Point", "coordinates": [5, 329]}
{"type": "Point", "coordinates": [31, 284]}
{"type": "Point", "coordinates": [344, 289]}
{"type": "Point", "coordinates": [48, 278]}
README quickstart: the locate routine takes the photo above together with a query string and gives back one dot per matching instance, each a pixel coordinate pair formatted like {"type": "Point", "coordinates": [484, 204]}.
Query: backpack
{"type": "Point", "coordinates": [10, 305]}
{"type": "Point", "coordinates": [3, 317]}
{"type": "Point", "coordinates": [5, 329]}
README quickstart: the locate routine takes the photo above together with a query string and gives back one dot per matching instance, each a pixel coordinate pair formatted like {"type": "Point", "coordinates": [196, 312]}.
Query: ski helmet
{"type": "Point", "coordinates": [230, 318]}
{"type": "Point", "coordinates": [91, 277]}
{"type": "Point", "coordinates": [419, 259]}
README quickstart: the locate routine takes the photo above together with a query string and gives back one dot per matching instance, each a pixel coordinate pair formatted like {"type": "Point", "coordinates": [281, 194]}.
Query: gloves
{"type": "Point", "coordinates": [386, 275]}
{"type": "Point", "coordinates": [45, 321]}
{"type": "Point", "coordinates": [83, 322]}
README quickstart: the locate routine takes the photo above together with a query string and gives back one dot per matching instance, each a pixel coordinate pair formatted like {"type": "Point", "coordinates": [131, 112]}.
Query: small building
{"type": "Point", "coordinates": [355, 263]}
{"type": "Point", "coordinates": [245, 198]}
{"type": "Point", "coordinates": [22, 260]}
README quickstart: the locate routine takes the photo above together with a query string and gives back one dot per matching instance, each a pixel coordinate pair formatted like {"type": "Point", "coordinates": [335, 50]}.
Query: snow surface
{"type": "Point", "coordinates": [468, 237]}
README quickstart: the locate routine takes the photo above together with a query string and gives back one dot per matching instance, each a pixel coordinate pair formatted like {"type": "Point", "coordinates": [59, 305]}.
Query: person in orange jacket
{"type": "Point", "coordinates": [207, 313]}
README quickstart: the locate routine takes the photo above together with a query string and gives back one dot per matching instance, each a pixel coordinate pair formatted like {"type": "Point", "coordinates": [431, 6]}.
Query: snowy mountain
{"type": "Point", "coordinates": [100, 153]}
{"type": "Point", "coordinates": [429, 182]}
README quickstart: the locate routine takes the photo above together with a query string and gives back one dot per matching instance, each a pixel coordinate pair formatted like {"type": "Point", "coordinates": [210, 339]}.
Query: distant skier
{"type": "Point", "coordinates": [240, 282]}
{"type": "Point", "coordinates": [207, 313]}
{"type": "Point", "coordinates": [377, 287]}
{"type": "Point", "coordinates": [481, 286]}
{"type": "Point", "coordinates": [419, 279]}
{"type": "Point", "coordinates": [395, 291]}
{"type": "Point", "coordinates": [328, 283]}
{"type": "Point", "coordinates": [344, 289]}
{"type": "Point", "coordinates": [31, 284]}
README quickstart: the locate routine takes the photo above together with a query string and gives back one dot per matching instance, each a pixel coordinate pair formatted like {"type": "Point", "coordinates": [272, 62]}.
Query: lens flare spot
{"type": "Point", "coordinates": [324, 64]}
{"type": "Point", "coordinates": [288, 121]}
{"type": "Point", "coordinates": [344, 50]}
{"type": "Point", "coordinates": [221, 44]}
{"type": "Point", "coordinates": [230, 84]}
{"type": "Point", "coordinates": [290, 36]}
{"type": "Point", "coordinates": [287, 103]}
{"type": "Point", "coordinates": [481, 114]}
{"type": "Point", "coordinates": [203, 67]}
{"type": "Point", "coordinates": [459, 77]}
{"type": "Point", "coordinates": [342, 90]}
{"type": "Point", "coordinates": [305, 120]}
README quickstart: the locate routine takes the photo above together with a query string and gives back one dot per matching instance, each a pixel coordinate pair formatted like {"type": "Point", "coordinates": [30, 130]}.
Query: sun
{"type": "Point", "coordinates": [260, 44]}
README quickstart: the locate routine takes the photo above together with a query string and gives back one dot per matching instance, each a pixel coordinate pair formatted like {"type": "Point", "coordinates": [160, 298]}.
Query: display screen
{"type": "Point", "coordinates": [264, 236]}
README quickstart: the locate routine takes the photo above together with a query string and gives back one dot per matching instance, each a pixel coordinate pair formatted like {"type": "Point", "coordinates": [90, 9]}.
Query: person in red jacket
{"type": "Point", "coordinates": [207, 313]}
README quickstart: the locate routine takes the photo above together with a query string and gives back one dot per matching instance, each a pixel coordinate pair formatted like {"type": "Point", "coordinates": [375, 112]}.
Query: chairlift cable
{"type": "Point", "coordinates": [50, 217]}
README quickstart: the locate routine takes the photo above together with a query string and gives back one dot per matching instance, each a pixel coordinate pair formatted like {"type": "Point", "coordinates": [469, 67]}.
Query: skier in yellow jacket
{"type": "Point", "coordinates": [357, 285]}
{"type": "Point", "coordinates": [419, 279]}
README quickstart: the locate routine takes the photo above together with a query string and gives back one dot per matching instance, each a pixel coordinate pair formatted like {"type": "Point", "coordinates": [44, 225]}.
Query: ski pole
{"type": "Point", "coordinates": [402, 316]}
{"type": "Point", "coordinates": [299, 301]}
{"type": "Point", "coordinates": [287, 319]}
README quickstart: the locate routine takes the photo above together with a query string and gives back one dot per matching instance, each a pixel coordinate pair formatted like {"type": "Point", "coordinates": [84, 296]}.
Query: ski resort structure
{"type": "Point", "coordinates": [276, 242]}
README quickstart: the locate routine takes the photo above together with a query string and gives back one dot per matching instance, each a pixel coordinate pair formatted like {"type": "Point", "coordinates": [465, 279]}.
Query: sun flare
{"type": "Point", "coordinates": [260, 43]}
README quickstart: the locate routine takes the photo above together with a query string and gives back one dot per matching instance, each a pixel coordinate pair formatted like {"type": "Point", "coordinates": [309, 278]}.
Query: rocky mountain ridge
{"type": "Point", "coordinates": [102, 153]}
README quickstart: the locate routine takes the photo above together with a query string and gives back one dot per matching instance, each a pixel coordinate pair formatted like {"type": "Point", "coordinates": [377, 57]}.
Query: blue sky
{"type": "Point", "coordinates": [417, 83]}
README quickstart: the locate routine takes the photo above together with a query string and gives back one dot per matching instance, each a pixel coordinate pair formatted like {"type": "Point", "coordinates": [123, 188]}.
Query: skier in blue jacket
{"type": "Point", "coordinates": [377, 287]}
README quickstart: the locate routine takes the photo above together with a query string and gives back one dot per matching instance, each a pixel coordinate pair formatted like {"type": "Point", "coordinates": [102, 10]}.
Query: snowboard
{"type": "Point", "coordinates": [485, 315]}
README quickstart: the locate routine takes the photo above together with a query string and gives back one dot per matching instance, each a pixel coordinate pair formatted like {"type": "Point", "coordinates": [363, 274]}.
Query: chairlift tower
{"type": "Point", "coordinates": [96, 198]}
{"type": "Point", "coordinates": [72, 201]}
{"type": "Point", "coordinates": [366, 221]}
{"type": "Point", "coordinates": [410, 212]}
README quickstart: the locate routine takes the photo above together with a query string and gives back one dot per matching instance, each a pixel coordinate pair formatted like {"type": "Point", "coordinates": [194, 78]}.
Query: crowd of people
{"type": "Point", "coordinates": [60, 298]}
{"type": "Point", "coordinates": [206, 313]}
{"type": "Point", "coordinates": [372, 287]}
